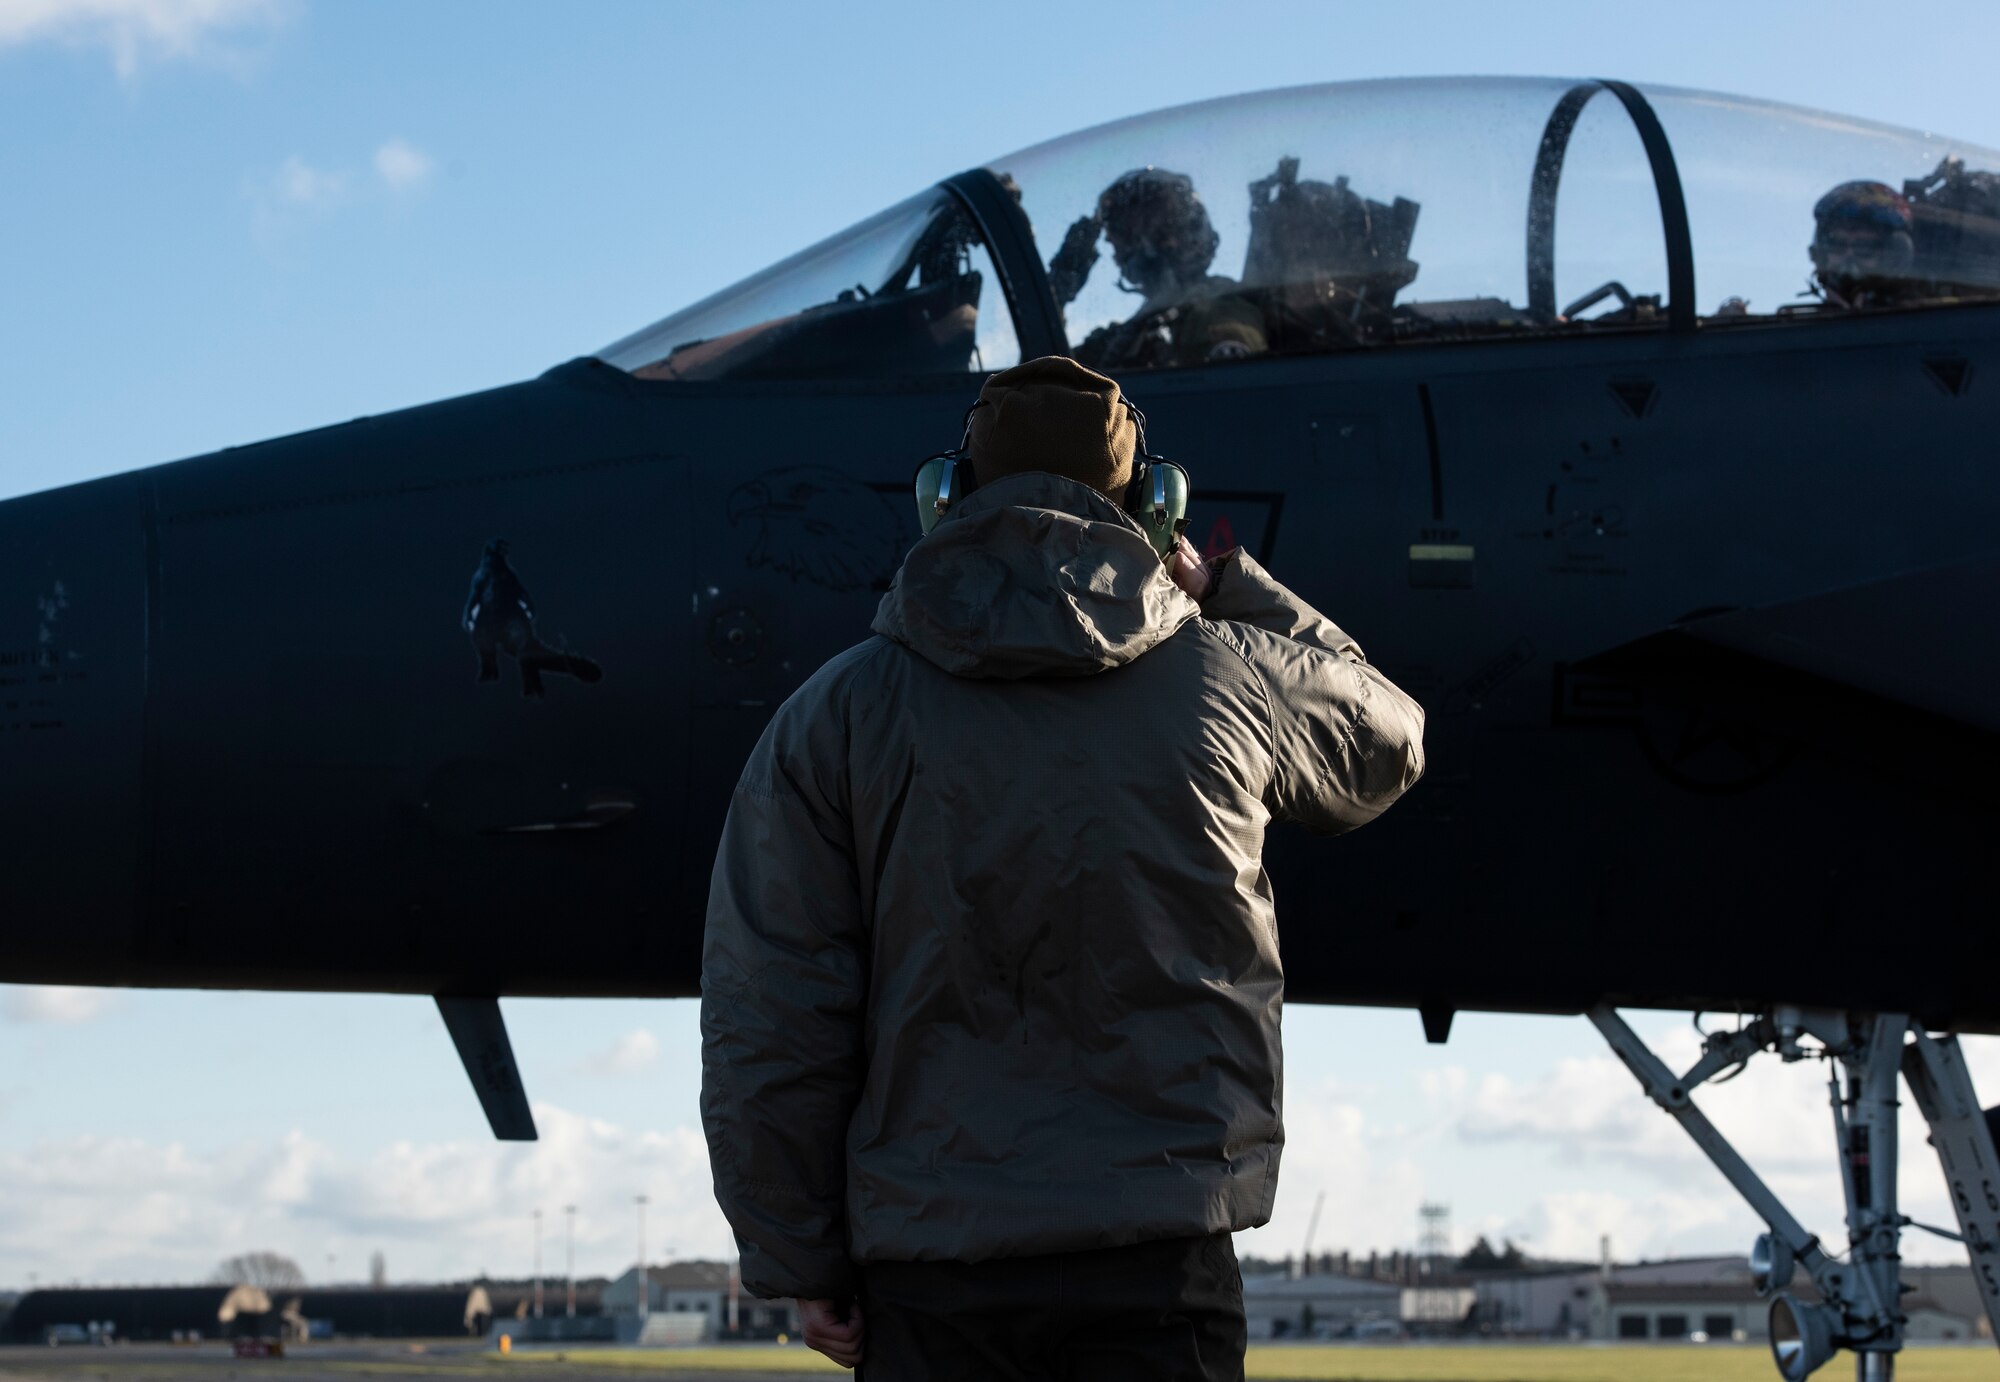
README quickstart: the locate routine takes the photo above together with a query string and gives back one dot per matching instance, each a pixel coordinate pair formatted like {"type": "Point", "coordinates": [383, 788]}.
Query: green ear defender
{"type": "Point", "coordinates": [1157, 498]}
{"type": "Point", "coordinates": [1161, 507]}
{"type": "Point", "coordinates": [933, 487]}
{"type": "Point", "coordinates": [942, 478]}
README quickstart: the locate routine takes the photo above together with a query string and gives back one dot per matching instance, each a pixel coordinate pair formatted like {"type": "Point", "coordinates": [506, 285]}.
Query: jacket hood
{"type": "Point", "coordinates": [1033, 575]}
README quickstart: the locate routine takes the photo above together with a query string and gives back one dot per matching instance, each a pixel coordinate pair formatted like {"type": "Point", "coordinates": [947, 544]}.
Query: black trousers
{"type": "Point", "coordinates": [1167, 1311]}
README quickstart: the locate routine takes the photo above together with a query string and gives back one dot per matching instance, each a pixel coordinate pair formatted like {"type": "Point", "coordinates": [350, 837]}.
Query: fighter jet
{"type": "Point", "coordinates": [1644, 434]}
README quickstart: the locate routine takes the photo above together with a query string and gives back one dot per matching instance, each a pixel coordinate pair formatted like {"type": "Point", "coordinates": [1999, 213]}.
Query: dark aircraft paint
{"type": "Point", "coordinates": [819, 524]}
{"type": "Point", "coordinates": [225, 775]}
{"type": "Point", "coordinates": [500, 617]}
{"type": "Point", "coordinates": [1703, 619]}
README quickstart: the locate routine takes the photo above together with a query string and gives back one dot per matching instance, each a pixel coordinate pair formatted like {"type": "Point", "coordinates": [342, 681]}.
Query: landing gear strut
{"type": "Point", "coordinates": [1860, 1305]}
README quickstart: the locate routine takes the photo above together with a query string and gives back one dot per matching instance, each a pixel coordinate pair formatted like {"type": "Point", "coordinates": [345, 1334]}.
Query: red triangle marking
{"type": "Point", "coordinates": [1221, 538]}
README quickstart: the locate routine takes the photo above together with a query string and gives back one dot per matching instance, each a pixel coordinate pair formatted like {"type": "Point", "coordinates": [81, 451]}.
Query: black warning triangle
{"type": "Point", "coordinates": [1953, 373]}
{"type": "Point", "coordinates": [1635, 396]}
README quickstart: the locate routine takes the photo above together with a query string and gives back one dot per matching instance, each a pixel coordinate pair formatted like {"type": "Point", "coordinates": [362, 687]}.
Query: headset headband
{"type": "Point", "coordinates": [952, 458]}
{"type": "Point", "coordinates": [1165, 516]}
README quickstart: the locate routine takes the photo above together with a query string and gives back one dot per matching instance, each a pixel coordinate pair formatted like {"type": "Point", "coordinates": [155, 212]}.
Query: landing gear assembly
{"type": "Point", "coordinates": [1859, 1305]}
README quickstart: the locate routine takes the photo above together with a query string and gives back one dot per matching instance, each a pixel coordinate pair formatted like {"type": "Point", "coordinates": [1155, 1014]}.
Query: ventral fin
{"type": "Point", "coordinates": [480, 1034]}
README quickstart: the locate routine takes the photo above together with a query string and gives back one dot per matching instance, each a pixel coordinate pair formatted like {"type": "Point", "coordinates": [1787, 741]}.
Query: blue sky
{"type": "Point", "coordinates": [224, 220]}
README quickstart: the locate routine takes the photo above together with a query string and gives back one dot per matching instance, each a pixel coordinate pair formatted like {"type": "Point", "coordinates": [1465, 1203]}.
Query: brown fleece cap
{"type": "Point", "coordinates": [1052, 414]}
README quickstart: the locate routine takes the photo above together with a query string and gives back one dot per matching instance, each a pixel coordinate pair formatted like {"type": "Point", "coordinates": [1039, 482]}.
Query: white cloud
{"type": "Point", "coordinates": [1590, 1114]}
{"type": "Point", "coordinates": [55, 1003]}
{"type": "Point", "coordinates": [1371, 1182]}
{"type": "Point", "coordinates": [402, 165]}
{"type": "Point", "coordinates": [1444, 1086]}
{"type": "Point", "coordinates": [1587, 1108]}
{"type": "Point", "coordinates": [135, 32]}
{"type": "Point", "coordinates": [301, 184]}
{"type": "Point", "coordinates": [635, 1051]}
{"type": "Point", "coordinates": [289, 197]}
{"type": "Point", "coordinates": [285, 199]}
{"type": "Point", "coordinates": [125, 1209]}
{"type": "Point", "coordinates": [1591, 1109]}
{"type": "Point", "coordinates": [1567, 1225]}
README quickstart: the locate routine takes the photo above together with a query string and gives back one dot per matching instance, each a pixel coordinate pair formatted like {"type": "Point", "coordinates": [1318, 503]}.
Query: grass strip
{"type": "Point", "coordinates": [1375, 1363]}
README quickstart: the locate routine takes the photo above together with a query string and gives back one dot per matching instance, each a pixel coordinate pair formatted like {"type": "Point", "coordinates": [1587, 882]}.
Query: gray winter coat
{"type": "Point", "coordinates": [991, 966]}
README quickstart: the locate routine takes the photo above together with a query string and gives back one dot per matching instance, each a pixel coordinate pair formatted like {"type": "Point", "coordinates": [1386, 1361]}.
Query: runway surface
{"type": "Point", "coordinates": [445, 1361]}
{"type": "Point", "coordinates": [457, 1361]}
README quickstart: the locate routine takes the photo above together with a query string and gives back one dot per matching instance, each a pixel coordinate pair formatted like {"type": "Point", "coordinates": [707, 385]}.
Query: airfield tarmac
{"type": "Point", "coordinates": [456, 1361]}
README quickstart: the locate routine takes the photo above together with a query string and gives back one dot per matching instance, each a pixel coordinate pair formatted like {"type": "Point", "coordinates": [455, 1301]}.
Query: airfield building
{"type": "Point", "coordinates": [515, 1299]}
{"type": "Point", "coordinates": [165, 1313]}
{"type": "Point", "coordinates": [1680, 1298]}
{"type": "Point", "coordinates": [1286, 1307]}
{"type": "Point", "coordinates": [1952, 1293]}
{"type": "Point", "coordinates": [703, 1289]}
{"type": "Point", "coordinates": [138, 1312]}
{"type": "Point", "coordinates": [403, 1312]}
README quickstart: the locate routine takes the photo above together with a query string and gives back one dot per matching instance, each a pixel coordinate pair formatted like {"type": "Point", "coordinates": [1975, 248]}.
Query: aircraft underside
{"type": "Point", "coordinates": [1700, 608]}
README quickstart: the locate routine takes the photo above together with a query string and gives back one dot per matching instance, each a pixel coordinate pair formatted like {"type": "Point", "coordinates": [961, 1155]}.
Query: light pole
{"type": "Point", "coordinates": [569, 1257]}
{"type": "Point", "coordinates": [538, 1264]}
{"type": "Point", "coordinates": [645, 1286]}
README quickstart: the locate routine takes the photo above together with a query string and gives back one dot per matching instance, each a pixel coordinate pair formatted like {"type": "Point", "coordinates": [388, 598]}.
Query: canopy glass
{"type": "Point", "coordinates": [909, 291]}
{"type": "Point", "coordinates": [1926, 234]}
{"type": "Point", "coordinates": [1329, 217]}
{"type": "Point", "coordinates": [1373, 215]}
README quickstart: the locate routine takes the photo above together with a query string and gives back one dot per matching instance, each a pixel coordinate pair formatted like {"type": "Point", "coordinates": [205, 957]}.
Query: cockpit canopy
{"type": "Point", "coordinates": [1367, 215]}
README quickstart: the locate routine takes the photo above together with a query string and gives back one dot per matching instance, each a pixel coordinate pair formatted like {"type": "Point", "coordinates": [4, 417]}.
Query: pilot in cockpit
{"type": "Point", "coordinates": [1863, 250]}
{"type": "Point", "coordinates": [1936, 241]}
{"type": "Point", "coordinates": [1163, 243]}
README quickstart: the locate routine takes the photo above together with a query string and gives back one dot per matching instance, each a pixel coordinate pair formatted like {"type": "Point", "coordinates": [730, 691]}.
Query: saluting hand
{"type": "Point", "coordinates": [833, 1328]}
{"type": "Point", "coordinates": [1190, 573]}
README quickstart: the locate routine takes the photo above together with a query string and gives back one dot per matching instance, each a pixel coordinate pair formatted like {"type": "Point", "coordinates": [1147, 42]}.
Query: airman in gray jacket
{"type": "Point", "coordinates": [991, 983]}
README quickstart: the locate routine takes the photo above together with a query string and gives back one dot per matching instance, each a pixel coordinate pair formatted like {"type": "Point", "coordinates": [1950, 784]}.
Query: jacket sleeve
{"type": "Point", "coordinates": [1346, 741]}
{"type": "Point", "coordinates": [784, 972]}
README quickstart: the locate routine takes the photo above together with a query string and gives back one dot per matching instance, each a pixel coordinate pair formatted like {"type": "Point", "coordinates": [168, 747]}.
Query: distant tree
{"type": "Point", "coordinates": [1481, 1257]}
{"type": "Point", "coordinates": [266, 1269]}
{"type": "Point", "coordinates": [378, 1270]}
{"type": "Point", "coordinates": [1252, 1265]}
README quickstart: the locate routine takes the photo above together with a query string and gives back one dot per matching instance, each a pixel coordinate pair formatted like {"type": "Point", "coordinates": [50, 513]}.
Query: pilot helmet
{"type": "Point", "coordinates": [1861, 236]}
{"type": "Point", "coordinates": [1156, 225]}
